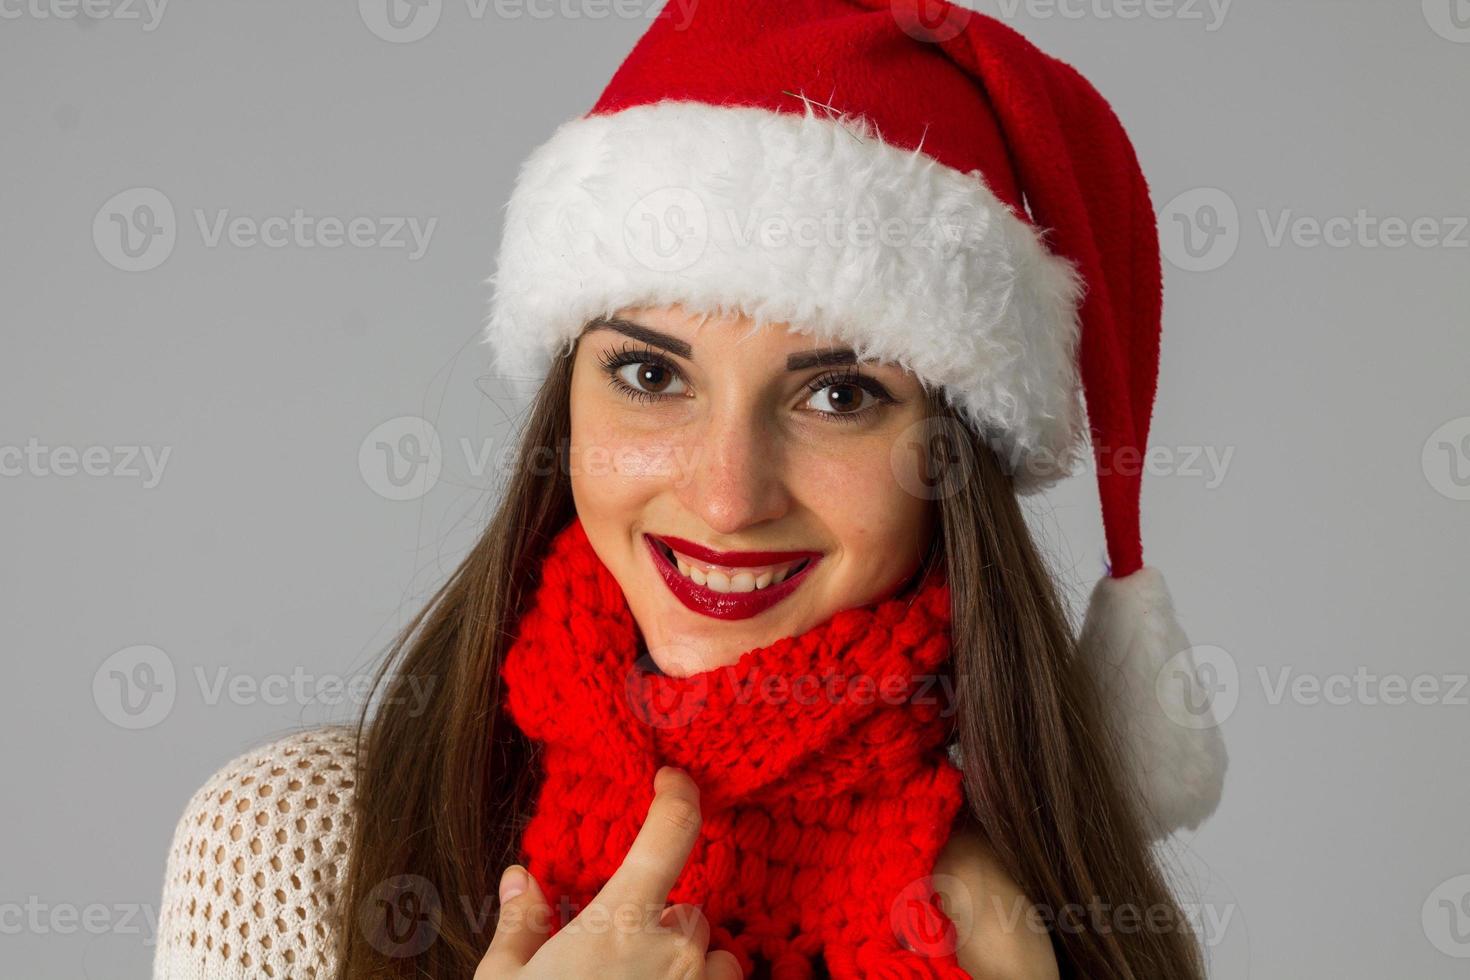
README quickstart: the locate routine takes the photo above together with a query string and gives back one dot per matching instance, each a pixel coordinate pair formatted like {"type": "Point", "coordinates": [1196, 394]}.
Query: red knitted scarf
{"type": "Point", "coordinates": [825, 786]}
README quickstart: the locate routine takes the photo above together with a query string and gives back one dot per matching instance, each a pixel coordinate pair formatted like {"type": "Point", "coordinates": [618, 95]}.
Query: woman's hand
{"type": "Point", "coordinates": [628, 930]}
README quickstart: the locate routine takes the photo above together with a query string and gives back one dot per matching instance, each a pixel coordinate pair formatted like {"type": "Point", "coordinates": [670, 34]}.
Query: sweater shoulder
{"type": "Point", "coordinates": [257, 863]}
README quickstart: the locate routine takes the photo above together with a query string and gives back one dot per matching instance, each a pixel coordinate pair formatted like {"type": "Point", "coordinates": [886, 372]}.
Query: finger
{"type": "Point", "coordinates": [689, 923]}
{"type": "Point", "coordinates": [523, 927]}
{"type": "Point", "coordinates": [653, 863]}
{"type": "Point", "coordinates": [722, 965]}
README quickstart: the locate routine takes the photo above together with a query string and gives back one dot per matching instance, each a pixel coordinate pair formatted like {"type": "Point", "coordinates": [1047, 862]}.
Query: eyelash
{"type": "Point", "coordinates": [848, 376]}
{"type": "Point", "coordinates": [629, 354]}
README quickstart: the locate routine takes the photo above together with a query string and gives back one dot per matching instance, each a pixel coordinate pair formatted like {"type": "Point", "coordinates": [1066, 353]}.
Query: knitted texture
{"type": "Point", "coordinates": [255, 869]}
{"type": "Point", "coordinates": [825, 787]}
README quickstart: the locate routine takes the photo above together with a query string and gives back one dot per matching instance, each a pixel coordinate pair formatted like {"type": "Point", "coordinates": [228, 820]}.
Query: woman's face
{"type": "Point", "coordinates": [742, 487]}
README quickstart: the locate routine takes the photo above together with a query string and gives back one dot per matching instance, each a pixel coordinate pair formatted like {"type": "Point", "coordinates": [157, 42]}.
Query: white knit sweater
{"type": "Point", "coordinates": [257, 863]}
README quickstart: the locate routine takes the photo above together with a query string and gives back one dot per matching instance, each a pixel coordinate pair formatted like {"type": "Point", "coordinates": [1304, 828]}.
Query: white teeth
{"type": "Point", "coordinates": [729, 580]}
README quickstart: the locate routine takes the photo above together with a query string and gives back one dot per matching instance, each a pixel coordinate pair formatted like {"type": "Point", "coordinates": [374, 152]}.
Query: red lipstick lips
{"type": "Point", "coordinates": [726, 605]}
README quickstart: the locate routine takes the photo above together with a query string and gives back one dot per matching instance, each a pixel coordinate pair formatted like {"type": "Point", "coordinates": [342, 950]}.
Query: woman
{"type": "Point", "coordinates": [756, 670]}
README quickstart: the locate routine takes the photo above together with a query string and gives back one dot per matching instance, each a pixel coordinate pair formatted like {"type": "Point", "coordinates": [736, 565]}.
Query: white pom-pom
{"type": "Point", "coordinates": [1153, 699]}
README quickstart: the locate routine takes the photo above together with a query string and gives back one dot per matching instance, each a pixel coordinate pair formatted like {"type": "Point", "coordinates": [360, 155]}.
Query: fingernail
{"type": "Point", "coordinates": [514, 882]}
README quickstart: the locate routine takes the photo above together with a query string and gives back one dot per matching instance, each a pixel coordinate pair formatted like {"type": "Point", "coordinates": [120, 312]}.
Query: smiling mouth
{"type": "Point", "coordinates": [739, 586]}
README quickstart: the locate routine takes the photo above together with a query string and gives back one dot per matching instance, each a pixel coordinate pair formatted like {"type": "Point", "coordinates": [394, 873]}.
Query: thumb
{"type": "Point", "coordinates": [523, 927]}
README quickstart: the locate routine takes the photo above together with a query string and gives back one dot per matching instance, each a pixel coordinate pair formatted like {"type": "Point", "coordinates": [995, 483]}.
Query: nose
{"type": "Point", "coordinates": [738, 475]}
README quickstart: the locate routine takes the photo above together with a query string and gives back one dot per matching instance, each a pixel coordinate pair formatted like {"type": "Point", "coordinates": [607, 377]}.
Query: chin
{"type": "Point", "coordinates": [690, 643]}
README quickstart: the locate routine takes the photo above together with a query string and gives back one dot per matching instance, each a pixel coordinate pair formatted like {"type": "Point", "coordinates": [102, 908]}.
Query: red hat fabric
{"type": "Point", "coordinates": [883, 172]}
{"type": "Point", "coordinates": [917, 181]}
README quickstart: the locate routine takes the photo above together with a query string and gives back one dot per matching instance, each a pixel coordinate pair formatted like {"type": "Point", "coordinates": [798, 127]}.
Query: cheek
{"type": "Point", "coordinates": [615, 463]}
{"type": "Point", "coordinates": [860, 496]}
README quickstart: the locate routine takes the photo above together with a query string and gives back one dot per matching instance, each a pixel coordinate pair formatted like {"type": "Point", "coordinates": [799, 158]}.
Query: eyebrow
{"type": "Point", "coordinates": [823, 357]}
{"type": "Point", "coordinates": [800, 361]}
{"type": "Point", "coordinates": [638, 332]}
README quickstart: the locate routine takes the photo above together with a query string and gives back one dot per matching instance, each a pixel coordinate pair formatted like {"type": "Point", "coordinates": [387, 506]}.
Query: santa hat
{"type": "Point", "coordinates": [918, 182]}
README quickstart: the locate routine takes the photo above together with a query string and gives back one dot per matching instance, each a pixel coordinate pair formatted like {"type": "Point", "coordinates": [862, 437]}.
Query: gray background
{"type": "Point", "coordinates": [1335, 377]}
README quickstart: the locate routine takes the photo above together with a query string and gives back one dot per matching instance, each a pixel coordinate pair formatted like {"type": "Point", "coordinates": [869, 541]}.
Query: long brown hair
{"type": "Point", "coordinates": [444, 789]}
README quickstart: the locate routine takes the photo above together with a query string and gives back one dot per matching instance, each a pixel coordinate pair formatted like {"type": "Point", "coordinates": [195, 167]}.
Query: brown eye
{"type": "Point", "coordinates": [841, 398]}
{"type": "Point", "coordinates": [654, 379]}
